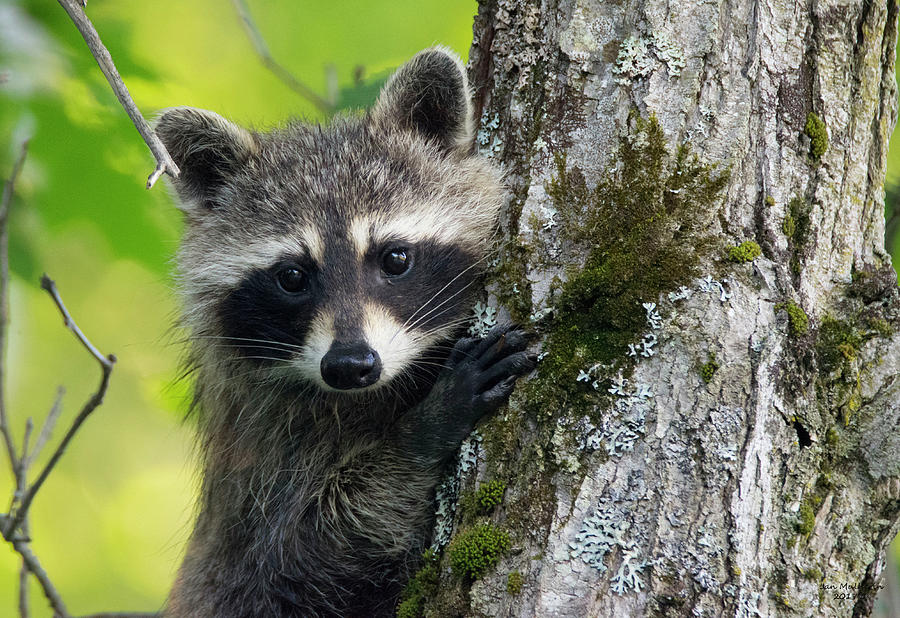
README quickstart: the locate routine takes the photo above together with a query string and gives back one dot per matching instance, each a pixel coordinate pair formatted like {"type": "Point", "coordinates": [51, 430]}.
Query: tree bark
{"type": "Point", "coordinates": [733, 447]}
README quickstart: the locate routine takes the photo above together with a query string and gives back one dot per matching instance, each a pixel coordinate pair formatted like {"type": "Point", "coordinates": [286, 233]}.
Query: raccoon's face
{"type": "Point", "coordinates": [353, 304]}
{"type": "Point", "coordinates": [345, 256]}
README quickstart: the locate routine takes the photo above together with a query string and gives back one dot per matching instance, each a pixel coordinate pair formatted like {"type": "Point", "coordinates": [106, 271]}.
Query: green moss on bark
{"type": "Point", "coordinates": [838, 343]}
{"type": "Point", "coordinates": [490, 495]}
{"type": "Point", "coordinates": [420, 588]}
{"type": "Point", "coordinates": [514, 582]}
{"type": "Point", "coordinates": [796, 227]}
{"type": "Point", "coordinates": [818, 136]}
{"type": "Point", "coordinates": [747, 251]}
{"type": "Point", "coordinates": [512, 288]}
{"type": "Point", "coordinates": [642, 230]}
{"type": "Point", "coordinates": [708, 370]}
{"type": "Point", "coordinates": [798, 321]}
{"type": "Point", "coordinates": [474, 551]}
{"type": "Point", "coordinates": [806, 518]}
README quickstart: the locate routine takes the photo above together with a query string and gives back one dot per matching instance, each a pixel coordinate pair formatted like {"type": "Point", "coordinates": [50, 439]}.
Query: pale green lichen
{"type": "Point", "coordinates": [484, 318]}
{"type": "Point", "coordinates": [599, 534]}
{"type": "Point", "coordinates": [638, 56]}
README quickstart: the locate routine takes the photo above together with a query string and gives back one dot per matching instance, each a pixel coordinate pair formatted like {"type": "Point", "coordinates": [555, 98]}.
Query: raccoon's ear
{"type": "Point", "coordinates": [208, 150]}
{"type": "Point", "coordinates": [429, 95]}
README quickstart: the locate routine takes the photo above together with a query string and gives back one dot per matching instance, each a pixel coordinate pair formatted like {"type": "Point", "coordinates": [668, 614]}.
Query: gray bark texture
{"type": "Point", "coordinates": [734, 450]}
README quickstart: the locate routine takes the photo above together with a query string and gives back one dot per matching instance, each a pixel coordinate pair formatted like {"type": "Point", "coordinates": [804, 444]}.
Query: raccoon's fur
{"type": "Point", "coordinates": [326, 273]}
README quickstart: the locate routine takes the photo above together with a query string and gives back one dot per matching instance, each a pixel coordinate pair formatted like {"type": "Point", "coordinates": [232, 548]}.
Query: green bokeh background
{"type": "Point", "coordinates": [111, 522]}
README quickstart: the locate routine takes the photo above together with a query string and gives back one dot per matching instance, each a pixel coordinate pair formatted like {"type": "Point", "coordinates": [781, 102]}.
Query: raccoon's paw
{"type": "Point", "coordinates": [487, 369]}
{"type": "Point", "coordinates": [478, 378]}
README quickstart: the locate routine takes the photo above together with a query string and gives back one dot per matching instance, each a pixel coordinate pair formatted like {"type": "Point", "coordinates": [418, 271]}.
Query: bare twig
{"type": "Point", "coordinates": [164, 162]}
{"type": "Point", "coordinates": [34, 566]}
{"type": "Point", "coordinates": [11, 182]}
{"type": "Point", "coordinates": [49, 286]}
{"type": "Point", "coordinates": [106, 365]}
{"type": "Point", "coordinates": [21, 482]}
{"type": "Point", "coordinates": [15, 528]}
{"type": "Point", "coordinates": [24, 611]}
{"type": "Point", "coordinates": [5, 204]}
{"type": "Point", "coordinates": [47, 427]}
{"type": "Point", "coordinates": [29, 455]}
{"type": "Point", "coordinates": [262, 50]}
{"type": "Point", "coordinates": [22, 470]}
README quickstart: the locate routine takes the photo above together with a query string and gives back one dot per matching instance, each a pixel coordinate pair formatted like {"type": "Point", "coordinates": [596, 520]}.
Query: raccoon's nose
{"type": "Point", "coordinates": [350, 365]}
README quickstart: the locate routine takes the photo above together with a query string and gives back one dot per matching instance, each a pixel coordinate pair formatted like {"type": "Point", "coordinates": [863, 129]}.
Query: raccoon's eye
{"type": "Point", "coordinates": [291, 280]}
{"type": "Point", "coordinates": [396, 262]}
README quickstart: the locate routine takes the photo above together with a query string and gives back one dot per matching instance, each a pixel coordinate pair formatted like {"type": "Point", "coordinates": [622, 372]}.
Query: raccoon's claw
{"type": "Point", "coordinates": [502, 339]}
{"type": "Point", "coordinates": [490, 366]}
{"type": "Point", "coordinates": [497, 395]}
{"type": "Point", "coordinates": [503, 343]}
{"type": "Point", "coordinates": [511, 367]}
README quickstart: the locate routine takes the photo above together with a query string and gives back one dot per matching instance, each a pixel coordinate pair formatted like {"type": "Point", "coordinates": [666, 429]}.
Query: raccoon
{"type": "Point", "coordinates": [326, 275]}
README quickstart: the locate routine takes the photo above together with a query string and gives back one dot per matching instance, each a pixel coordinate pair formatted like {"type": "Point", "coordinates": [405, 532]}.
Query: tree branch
{"type": "Point", "coordinates": [23, 591]}
{"type": "Point", "coordinates": [164, 162]}
{"type": "Point", "coordinates": [5, 204]}
{"type": "Point", "coordinates": [21, 481]}
{"type": "Point", "coordinates": [47, 427]}
{"type": "Point", "coordinates": [49, 286]}
{"type": "Point", "coordinates": [34, 565]}
{"type": "Point", "coordinates": [106, 365]}
{"type": "Point", "coordinates": [262, 50]}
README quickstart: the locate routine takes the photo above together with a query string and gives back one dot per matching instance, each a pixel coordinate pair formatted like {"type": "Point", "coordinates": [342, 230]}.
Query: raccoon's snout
{"type": "Point", "coordinates": [350, 365]}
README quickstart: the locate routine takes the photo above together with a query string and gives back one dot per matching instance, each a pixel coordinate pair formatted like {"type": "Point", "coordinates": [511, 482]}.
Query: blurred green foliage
{"type": "Point", "coordinates": [111, 522]}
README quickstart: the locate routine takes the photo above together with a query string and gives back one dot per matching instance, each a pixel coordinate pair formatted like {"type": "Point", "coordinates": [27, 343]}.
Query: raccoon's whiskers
{"type": "Point", "coordinates": [424, 335]}
{"type": "Point", "coordinates": [249, 340]}
{"type": "Point", "coordinates": [441, 331]}
{"type": "Point", "coordinates": [283, 361]}
{"type": "Point", "coordinates": [427, 363]}
{"type": "Point", "coordinates": [253, 347]}
{"type": "Point", "coordinates": [429, 313]}
{"type": "Point", "coordinates": [441, 291]}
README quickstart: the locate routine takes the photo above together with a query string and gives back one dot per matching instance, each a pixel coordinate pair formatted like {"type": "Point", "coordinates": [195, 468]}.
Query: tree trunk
{"type": "Point", "coordinates": [709, 432]}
